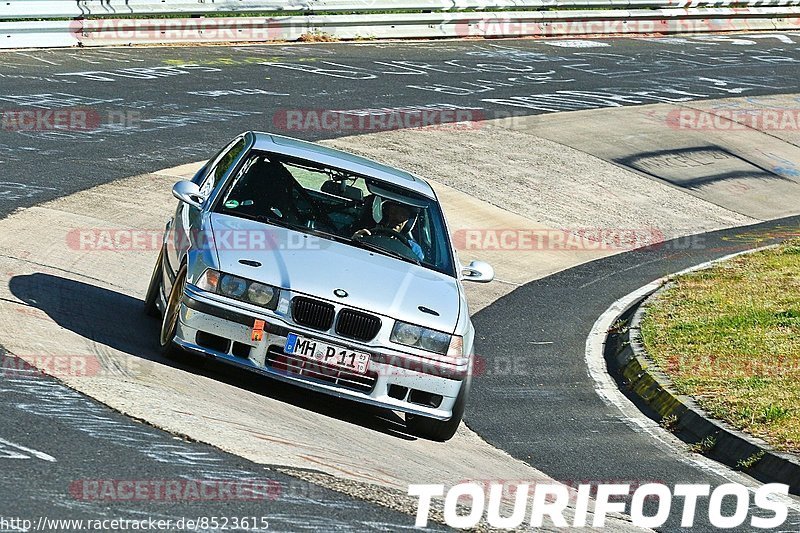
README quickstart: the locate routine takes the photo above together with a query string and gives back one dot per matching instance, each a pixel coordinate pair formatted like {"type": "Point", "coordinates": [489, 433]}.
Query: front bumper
{"type": "Point", "coordinates": [394, 380]}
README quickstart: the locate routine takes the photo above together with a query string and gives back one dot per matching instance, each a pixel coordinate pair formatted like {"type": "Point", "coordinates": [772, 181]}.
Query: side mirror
{"type": "Point", "coordinates": [188, 193]}
{"type": "Point", "coordinates": [479, 271]}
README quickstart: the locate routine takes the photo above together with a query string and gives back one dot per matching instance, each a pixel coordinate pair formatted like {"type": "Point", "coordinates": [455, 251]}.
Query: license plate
{"type": "Point", "coordinates": [326, 353]}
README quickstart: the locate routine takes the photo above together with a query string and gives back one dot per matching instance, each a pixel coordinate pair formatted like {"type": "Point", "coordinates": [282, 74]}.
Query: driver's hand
{"type": "Point", "coordinates": [361, 233]}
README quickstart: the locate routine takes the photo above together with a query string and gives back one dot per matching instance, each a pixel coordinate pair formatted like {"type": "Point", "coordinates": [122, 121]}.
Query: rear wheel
{"type": "Point", "coordinates": [439, 430]}
{"type": "Point", "coordinates": [169, 323]}
{"type": "Point", "coordinates": [154, 288]}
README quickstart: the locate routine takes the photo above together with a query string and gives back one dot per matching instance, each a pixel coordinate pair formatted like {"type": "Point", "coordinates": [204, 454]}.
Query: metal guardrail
{"type": "Point", "coordinates": [48, 9]}
{"type": "Point", "coordinates": [97, 23]}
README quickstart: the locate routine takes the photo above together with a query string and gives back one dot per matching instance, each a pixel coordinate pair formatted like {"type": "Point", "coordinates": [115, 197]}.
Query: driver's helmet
{"type": "Point", "coordinates": [379, 204]}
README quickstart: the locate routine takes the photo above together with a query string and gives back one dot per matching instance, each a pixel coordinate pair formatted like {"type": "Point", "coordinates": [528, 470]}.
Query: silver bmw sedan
{"type": "Point", "coordinates": [323, 269]}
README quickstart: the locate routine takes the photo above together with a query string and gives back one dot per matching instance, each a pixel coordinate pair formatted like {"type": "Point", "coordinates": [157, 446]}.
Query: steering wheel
{"type": "Point", "coordinates": [388, 232]}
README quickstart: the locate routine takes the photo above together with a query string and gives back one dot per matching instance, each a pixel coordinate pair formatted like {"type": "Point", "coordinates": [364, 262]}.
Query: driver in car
{"type": "Point", "coordinates": [399, 218]}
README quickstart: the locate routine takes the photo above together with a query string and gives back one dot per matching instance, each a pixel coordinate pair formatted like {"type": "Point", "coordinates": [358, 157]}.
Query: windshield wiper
{"type": "Point", "coordinates": [271, 220]}
{"type": "Point", "coordinates": [297, 227]}
{"type": "Point", "coordinates": [257, 218]}
{"type": "Point", "coordinates": [384, 251]}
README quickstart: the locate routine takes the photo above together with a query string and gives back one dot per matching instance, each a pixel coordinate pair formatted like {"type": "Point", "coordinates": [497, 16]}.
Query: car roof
{"type": "Point", "coordinates": [270, 142]}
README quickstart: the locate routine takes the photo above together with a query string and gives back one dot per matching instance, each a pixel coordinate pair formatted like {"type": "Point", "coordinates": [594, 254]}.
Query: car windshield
{"type": "Point", "coordinates": [332, 203]}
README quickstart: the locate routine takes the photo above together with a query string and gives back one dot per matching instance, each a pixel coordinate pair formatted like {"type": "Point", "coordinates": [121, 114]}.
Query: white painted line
{"type": "Point", "coordinates": [609, 392]}
{"type": "Point", "coordinates": [576, 43]}
{"type": "Point", "coordinates": [638, 265]}
{"type": "Point", "coordinates": [779, 36]}
{"type": "Point", "coordinates": [39, 455]}
{"type": "Point", "coordinates": [37, 58]}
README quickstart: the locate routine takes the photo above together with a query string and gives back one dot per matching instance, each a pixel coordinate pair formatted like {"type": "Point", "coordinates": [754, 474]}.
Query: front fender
{"type": "Point", "coordinates": [201, 253]}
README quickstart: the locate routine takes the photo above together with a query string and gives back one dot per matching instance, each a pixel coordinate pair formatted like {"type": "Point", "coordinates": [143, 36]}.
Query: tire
{"type": "Point", "coordinates": [154, 288]}
{"type": "Point", "coordinates": [439, 430]}
{"type": "Point", "coordinates": [169, 323]}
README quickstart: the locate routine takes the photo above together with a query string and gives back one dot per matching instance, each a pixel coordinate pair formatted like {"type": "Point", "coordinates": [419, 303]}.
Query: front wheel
{"type": "Point", "coordinates": [439, 430]}
{"type": "Point", "coordinates": [169, 323]}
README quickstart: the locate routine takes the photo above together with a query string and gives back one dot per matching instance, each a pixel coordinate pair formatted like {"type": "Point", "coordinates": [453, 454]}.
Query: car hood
{"type": "Point", "coordinates": [317, 267]}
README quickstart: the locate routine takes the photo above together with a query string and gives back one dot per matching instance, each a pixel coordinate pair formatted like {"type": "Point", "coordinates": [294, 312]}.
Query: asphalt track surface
{"type": "Point", "coordinates": [176, 105]}
{"type": "Point", "coordinates": [98, 452]}
{"type": "Point", "coordinates": [161, 107]}
{"type": "Point", "coordinates": [538, 401]}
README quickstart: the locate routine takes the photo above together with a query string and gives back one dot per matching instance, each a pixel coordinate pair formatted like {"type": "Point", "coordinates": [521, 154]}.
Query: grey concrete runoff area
{"type": "Point", "coordinates": [690, 143]}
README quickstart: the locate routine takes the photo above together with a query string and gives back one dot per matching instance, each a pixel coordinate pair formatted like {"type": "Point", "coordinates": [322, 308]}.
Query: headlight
{"type": "Point", "coordinates": [419, 337]}
{"type": "Point", "coordinates": [406, 334]}
{"type": "Point", "coordinates": [261, 294]}
{"type": "Point", "coordinates": [241, 289]}
{"type": "Point", "coordinates": [435, 341]}
{"type": "Point", "coordinates": [232, 286]}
